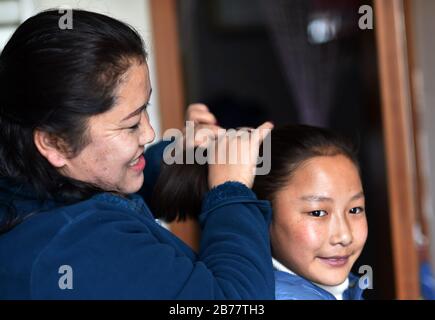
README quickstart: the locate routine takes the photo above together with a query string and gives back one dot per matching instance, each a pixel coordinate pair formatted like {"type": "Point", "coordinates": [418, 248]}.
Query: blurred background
{"type": "Point", "coordinates": [363, 68]}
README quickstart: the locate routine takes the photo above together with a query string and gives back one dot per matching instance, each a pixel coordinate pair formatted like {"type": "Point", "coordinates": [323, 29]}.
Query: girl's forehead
{"type": "Point", "coordinates": [336, 167]}
{"type": "Point", "coordinates": [326, 176]}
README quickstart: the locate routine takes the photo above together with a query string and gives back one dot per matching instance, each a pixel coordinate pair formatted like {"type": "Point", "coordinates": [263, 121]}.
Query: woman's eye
{"type": "Point", "coordinates": [318, 213]}
{"type": "Point", "coordinates": [135, 127]}
{"type": "Point", "coordinates": [356, 210]}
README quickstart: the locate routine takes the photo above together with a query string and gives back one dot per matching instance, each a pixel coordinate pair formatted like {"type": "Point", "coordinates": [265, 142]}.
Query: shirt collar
{"type": "Point", "coordinates": [337, 291]}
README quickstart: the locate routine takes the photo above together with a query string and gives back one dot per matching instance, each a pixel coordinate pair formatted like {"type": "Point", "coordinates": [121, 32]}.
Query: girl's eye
{"type": "Point", "coordinates": [356, 210]}
{"type": "Point", "coordinates": [318, 213]}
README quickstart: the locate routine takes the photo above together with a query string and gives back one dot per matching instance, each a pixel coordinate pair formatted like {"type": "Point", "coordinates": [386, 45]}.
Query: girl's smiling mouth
{"type": "Point", "coordinates": [335, 261]}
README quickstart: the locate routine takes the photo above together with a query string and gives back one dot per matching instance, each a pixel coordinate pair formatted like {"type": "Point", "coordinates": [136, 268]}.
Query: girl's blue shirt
{"type": "Point", "coordinates": [294, 287]}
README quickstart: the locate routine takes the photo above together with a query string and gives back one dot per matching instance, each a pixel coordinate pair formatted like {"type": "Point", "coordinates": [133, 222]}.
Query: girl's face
{"type": "Point", "coordinates": [113, 159]}
{"type": "Point", "coordinates": [319, 225]}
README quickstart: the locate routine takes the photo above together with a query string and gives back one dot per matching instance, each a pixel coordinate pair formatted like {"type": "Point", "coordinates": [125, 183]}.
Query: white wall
{"type": "Point", "coordinates": [12, 13]}
{"type": "Point", "coordinates": [134, 12]}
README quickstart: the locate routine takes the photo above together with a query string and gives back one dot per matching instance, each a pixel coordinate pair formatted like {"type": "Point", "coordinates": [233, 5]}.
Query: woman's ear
{"type": "Point", "coordinates": [51, 147]}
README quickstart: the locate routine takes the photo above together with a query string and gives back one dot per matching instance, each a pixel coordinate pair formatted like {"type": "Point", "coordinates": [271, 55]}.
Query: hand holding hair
{"type": "Point", "coordinates": [245, 145]}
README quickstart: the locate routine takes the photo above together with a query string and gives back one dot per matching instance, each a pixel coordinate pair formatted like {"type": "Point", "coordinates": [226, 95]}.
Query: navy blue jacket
{"type": "Point", "coordinates": [294, 287]}
{"type": "Point", "coordinates": [115, 249]}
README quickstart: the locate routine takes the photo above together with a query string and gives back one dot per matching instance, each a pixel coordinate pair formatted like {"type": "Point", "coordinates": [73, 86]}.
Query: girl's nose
{"type": "Point", "coordinates": [341, 232]}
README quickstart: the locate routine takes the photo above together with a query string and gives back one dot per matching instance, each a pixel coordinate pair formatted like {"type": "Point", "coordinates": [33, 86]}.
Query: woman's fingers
{"type": "Point", "coordinates": [236, 155]}
{"type": "Point", "coordinates": [264, 130]}
{"type": "Point", "coordinates": [202, 117]}
{"type": "Point", "coordinates": [205, 133]}
{"type": "Point", "coordinates": [205, 125]}
{"type": "Point", "coordinates": [200, 113]}
{"type": "Point", "coordinates": [198, 106]}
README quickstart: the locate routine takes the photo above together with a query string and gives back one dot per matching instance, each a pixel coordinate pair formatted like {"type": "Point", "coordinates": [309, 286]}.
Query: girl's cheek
{"type": "Point", "coordinates": [361, 232]}
{"type": "Point", "coordinates": [311, 234]}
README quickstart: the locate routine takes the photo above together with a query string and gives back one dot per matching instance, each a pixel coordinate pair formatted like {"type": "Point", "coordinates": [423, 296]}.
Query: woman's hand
{"type": "Point", "coordinates": [235, 157]}
{"type": "Point", "coordinates": [202, 119]}
{"type": "Point", "coordinates": [200, 114]}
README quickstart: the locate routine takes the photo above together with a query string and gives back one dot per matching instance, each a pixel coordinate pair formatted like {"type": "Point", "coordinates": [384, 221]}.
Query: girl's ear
{"type": "Point", "coordinates": [51, 147]}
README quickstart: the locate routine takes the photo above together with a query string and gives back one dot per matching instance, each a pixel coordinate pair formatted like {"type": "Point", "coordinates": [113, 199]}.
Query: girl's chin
{"type": "Point", "coordinates": [334, 280]}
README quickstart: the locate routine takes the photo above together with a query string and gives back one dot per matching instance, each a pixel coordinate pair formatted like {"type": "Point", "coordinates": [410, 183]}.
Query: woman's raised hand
{"type": "Point", "coordinates": [236, 154]}
{"type": "Point", "coordinates": [204, 121]}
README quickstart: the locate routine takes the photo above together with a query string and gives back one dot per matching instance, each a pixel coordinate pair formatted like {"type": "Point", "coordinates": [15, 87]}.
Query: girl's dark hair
{"type": "Point", "coordinates": [54, 80]}
{"type": "Point", "coordinates": [180, 188]}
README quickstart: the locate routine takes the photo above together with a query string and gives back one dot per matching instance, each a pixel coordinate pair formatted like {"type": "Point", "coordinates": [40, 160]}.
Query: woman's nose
{"type": "Point", "coordinates": [147, 134]}
{"type": "Point", "coordinates": [341, 232]}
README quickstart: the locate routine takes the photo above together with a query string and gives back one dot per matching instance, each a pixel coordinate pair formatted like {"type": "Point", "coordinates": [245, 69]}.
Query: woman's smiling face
{"type": "Point", "coordinates": [319, 226]}
{"type": "Point", "coordinates": [113, 159]}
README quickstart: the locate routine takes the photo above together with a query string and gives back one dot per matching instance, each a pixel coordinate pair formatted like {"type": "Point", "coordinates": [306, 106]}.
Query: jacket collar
{"type": "Point", "coordinates": [24, 199]}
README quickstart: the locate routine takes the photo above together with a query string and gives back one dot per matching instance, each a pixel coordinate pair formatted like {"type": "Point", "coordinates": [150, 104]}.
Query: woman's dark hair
{"type": "Point", "coordinates": [54, 80]}
{"type": "Point", "coordinates": [180, 188]}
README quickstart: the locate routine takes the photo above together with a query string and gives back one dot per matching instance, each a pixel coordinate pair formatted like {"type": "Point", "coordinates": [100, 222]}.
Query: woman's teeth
{"type": "Point", "coordinates": [135, 162]}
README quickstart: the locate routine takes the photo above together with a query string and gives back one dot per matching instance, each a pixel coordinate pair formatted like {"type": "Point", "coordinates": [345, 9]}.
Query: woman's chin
{"type": "Point", "coordinates": [135, 184]}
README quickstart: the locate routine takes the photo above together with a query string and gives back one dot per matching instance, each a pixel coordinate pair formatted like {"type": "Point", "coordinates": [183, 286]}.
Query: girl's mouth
{"type": "Point", "coordinates": [335, 261]}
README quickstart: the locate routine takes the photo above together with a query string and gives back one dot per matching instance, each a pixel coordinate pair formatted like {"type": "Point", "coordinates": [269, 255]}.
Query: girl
{"type": "Point", "coordinates": [319, 226]}
{"type": "Point", "coordinates": [73, 130]}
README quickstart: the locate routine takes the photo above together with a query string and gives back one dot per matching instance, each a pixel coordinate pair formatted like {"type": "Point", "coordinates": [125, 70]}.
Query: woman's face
{"type": "Point", "coordinates": [113, 159]}
{"type": "Point", "coordinates": [319, 225]}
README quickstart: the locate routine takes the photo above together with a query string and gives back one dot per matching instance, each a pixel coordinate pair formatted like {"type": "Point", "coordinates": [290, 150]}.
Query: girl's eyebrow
{"type": "Point", "coordinates": [359, 195]}
{"type": "Point", "coordinates": [316, 198]}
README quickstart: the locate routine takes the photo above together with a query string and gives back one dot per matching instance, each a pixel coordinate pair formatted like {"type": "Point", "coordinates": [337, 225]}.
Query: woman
{"type": "Point", "coordinates": [73, 130]}
{"type": "Point", "coordinates": [318, 227]}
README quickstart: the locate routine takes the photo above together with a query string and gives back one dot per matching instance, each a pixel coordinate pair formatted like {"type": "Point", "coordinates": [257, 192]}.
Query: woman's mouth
{"type": "Point", "coordinates": [138, 165]}
{"type": "Point", "coordinates": [335, 261]}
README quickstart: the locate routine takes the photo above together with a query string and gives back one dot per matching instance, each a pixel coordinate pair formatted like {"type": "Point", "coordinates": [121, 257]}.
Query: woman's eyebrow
{"type": "Point", "coordinates": [140, 109]}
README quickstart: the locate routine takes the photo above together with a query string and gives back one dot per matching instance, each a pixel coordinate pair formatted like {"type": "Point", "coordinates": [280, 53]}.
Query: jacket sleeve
{"type": "Point", "coordinates": [114, 258]}
{"type": "Point", "coordinates": [235, 246]}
